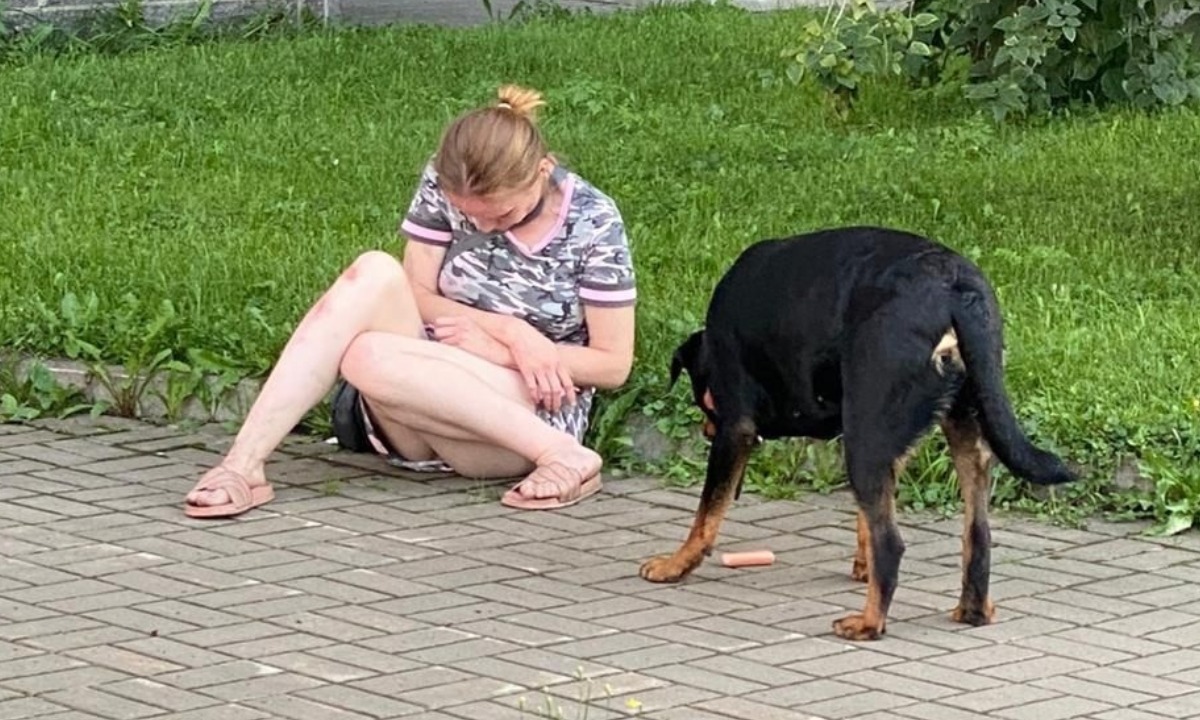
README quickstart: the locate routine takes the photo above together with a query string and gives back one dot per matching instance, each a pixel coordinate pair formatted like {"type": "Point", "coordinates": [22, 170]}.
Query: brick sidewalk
{"type": "Point", "coordinates": [361, 593]}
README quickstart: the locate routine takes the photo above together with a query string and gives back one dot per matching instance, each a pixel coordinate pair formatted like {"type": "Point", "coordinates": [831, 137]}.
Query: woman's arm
{"type": "Point", "coordinates": [421, 263]}
{"type": "Point", "coordinates": [606, 361]}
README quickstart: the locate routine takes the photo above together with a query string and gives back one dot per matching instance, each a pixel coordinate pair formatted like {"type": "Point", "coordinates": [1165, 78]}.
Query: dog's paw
{"type": "Point", "coordinates": [666, 568]}
{"type": "Point", "coordinates": [856, 627]}
{"type": "Point", "coordinates": [859, 571]}
{"type": "Point", "coordinates": [974, 616]}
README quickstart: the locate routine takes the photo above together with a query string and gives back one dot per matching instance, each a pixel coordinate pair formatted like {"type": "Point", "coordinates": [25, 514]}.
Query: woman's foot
{"type": "Point", "coordinates": [561, 478]}
{"type": "Point", "coordinates": [225, 492]}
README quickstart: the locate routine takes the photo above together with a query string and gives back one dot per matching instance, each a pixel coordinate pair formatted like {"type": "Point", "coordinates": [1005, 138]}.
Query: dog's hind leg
{"type": "Point", "coordinates": [972, 463]}
{"type": "Point", "coordinates": [882, 544]}
{"type": "Point", "coordinates": [726, 466]}
{"type": "Point", "coordinates": [892, 395]}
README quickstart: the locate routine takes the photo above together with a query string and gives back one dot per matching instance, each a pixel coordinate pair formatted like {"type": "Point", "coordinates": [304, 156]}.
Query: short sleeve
{"type": "Point", "coordinates": [608, 277]}
{"type": "Point", "coordinates": [427, 220]}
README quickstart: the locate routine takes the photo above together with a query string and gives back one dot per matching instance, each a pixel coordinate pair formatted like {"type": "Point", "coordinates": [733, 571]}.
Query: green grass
{"type": "Point", "coordinates": [233, 181]}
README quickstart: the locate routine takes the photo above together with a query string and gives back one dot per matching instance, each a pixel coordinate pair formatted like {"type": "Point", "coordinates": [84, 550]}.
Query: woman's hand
{"type": "Point", "coordinates": [465, 333]}
{"type": "Point", "coordinates": [537, 359]}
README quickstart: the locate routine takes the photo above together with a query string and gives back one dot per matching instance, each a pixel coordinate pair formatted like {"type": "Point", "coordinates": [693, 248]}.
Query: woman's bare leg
{"type": "Point", "coordinates": [432, 398]}
{"type": "Point", "coordinates": [371, 295]}
{"type": "Point", "coordinates": [476, 416]}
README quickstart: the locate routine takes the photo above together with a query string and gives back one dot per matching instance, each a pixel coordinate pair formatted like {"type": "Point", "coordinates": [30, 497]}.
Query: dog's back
{"type": "Point", "coordinates": [784, 307]}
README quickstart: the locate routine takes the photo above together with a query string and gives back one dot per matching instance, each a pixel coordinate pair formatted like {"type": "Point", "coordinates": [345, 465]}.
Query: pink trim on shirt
{"type": "Point", "coordinates": [420, 232]}
{"type": "Point", "coordinates": [568, 191]}
{"type": "Point", "coordinates": [608, 296]}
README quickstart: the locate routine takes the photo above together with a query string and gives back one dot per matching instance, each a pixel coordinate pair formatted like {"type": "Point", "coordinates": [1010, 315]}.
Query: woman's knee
{"type": "Point", "coordinates": [376, 269]}
{"type": "Point", "coordinates": [363, 360]}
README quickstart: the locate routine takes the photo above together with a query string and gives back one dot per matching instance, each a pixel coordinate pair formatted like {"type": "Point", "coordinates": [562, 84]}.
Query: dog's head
{"type": "Point", "coordinates": [692, 357]}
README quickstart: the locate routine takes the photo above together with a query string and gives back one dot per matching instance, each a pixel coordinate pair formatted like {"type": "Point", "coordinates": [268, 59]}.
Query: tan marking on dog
{"type": "Point", "coordinates": [946, 351]}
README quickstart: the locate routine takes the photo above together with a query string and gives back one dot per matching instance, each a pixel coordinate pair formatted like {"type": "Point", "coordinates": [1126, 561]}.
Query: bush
{"type": "Point", "coordinates": [1019, 56]}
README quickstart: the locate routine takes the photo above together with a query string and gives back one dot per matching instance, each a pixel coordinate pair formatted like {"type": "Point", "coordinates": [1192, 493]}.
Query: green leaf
{"type": "Point", "coordinates": [828, 61]}
{"type": "Point", "coordinates": [919, 48]}
{"type": "Point", "coordinates": [924, 20]}
{"type": "Point", "coordinates": [1175, 524]}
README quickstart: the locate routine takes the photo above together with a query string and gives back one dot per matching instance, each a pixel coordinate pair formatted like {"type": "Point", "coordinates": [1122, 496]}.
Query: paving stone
{"type": "Point", "coordinates": [510, 672]}
{"type": "Point", "coordinates": [1128, 714]}
{"type": "Point", "coordinates": [1181, 706]}
{"type": "Point", "coordinates": [454, 652]}
{"type": "Point", "coordinates": [410, 599]}
{"type": "Point", "coordinates": [357, 701]}
{"type": "Point", "coordinates": [1162, 663]}
{"type": "Point", "coordinates": [1033, 669]}
{"type": "Point", "coordinates": [461, 614]}
{"type": "Point", "coordinates": [358, 656]}
{"type": "Point", "coordinates": [705, 679]}
{"type": "Point", "coordinates": [704, 639]}
{"type": "Point", "coordinates": [1093, 691]}
{"type": "Point", "coordinates": [149, 692]}
{"type": "Point", "coordinates": [1155, 621]}
{"type": "Point", "coordinates": [964, 680]}
{"type": "Point", "coordinates": [1060, 646]}
{"type": "Point", "coordinates": [297, 708]}
{"type": "Point", "coordinates": [91, 700]}
{"type": "Point", "coordinates": [747, 709]}
{"type": "Point", "coordinates": [1054, 709]}
{"type": "Point", "coordinates": [456, 693]}
{"type": "Point", "coordinates": [89, 637]}
{"type": "Point", "coordinates": [125, 661]}
{"type": "Point", "coordinates": [857, 705]}
{"type": "Point", "coordinates": [1135, 682]}
{"type": "Point", "coordinates": [261, 686]}
{"type": "Point", "coordinates": [840, 664]}
{"type": "Point", "coordinates": [807, 693]}
{"type": "Point", "coordinates": [1114, 641]}
{"type": "Point", "coordinates": [666, 655]}
{"type": "Point", "coordinates": [21, 708]}
{"type": "Point", "coordinates": [1187, 636]}
{"type": "Point", "coordinates": [173, 652]}
{"type": "Point", "coordinates": [46, 627]}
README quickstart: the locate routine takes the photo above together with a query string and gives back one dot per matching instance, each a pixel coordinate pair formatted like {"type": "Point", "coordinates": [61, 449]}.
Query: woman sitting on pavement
{"type": "Point", "coordinates": [482, 351]}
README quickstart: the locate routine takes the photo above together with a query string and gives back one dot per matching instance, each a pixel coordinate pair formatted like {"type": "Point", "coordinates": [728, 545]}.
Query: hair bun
{"type": "Point", "coordinates": [520, 100]}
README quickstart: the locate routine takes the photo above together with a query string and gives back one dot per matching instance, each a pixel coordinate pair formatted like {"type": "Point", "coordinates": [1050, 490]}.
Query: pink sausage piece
{"type": "Point", "coordinates": [747, 559]}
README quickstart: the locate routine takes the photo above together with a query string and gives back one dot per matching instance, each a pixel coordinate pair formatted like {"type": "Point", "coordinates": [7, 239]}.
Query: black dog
{"type": "Point", "coordinates": [873, 335]}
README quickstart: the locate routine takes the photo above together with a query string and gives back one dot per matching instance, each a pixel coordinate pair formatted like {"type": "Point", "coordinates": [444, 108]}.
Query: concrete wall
{"type": "Point", "coordinates": [367, 12]}
{"type": "Point", "coordinates": [65, 12]}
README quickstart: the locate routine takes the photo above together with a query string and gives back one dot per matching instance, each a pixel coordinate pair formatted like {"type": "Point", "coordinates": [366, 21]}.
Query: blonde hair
{"type": "Point", "coordinates": [494, 148]}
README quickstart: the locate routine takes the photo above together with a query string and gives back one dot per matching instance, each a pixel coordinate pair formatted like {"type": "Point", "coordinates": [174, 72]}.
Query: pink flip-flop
{"type": "Point", "coordinates": [571, 485]}
{"type": "Point", "coordinates": [242, 496]}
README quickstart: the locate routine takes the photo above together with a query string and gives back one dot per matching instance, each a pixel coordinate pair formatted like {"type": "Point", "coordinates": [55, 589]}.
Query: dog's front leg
{"type": "Point", "coordinates": [726, 466]}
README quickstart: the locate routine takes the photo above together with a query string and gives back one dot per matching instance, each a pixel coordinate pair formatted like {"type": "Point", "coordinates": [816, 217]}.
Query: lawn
{"type": "Point", "coordinates": [204, 195]}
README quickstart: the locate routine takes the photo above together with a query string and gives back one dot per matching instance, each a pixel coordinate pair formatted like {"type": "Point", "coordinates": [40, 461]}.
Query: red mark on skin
{"type": "Point", "coordinates": [351, 273]}
{"type": "Point", "coordinates": [320, 308]}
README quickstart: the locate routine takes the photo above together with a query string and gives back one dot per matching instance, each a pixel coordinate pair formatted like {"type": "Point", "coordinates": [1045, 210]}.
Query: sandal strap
{"type": "Point", "coordinates": [232, 482]}
{"type": "Point", "coordinates": [566, 480]}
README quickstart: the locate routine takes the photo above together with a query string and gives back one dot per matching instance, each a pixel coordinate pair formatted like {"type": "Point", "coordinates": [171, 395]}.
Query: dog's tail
{"type": "Point", "coordinates": [976, 317]}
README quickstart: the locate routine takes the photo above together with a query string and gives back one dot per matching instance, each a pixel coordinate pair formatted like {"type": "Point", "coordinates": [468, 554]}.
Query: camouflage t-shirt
{"type": "Point", "coordinates": [583, 260]}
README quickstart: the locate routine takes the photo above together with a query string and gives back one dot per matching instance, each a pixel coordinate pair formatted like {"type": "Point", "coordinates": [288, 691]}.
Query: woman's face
{"type": "Point", "coordinates": [503, 210]}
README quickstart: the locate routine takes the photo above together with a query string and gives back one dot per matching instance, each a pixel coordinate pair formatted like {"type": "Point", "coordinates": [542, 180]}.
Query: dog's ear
{"type": "Point", "coordinates": [686, 357]}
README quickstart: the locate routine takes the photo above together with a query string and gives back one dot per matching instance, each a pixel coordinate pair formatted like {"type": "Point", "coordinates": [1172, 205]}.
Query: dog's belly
{"type": "Point", "coordinates": [819, 427]}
